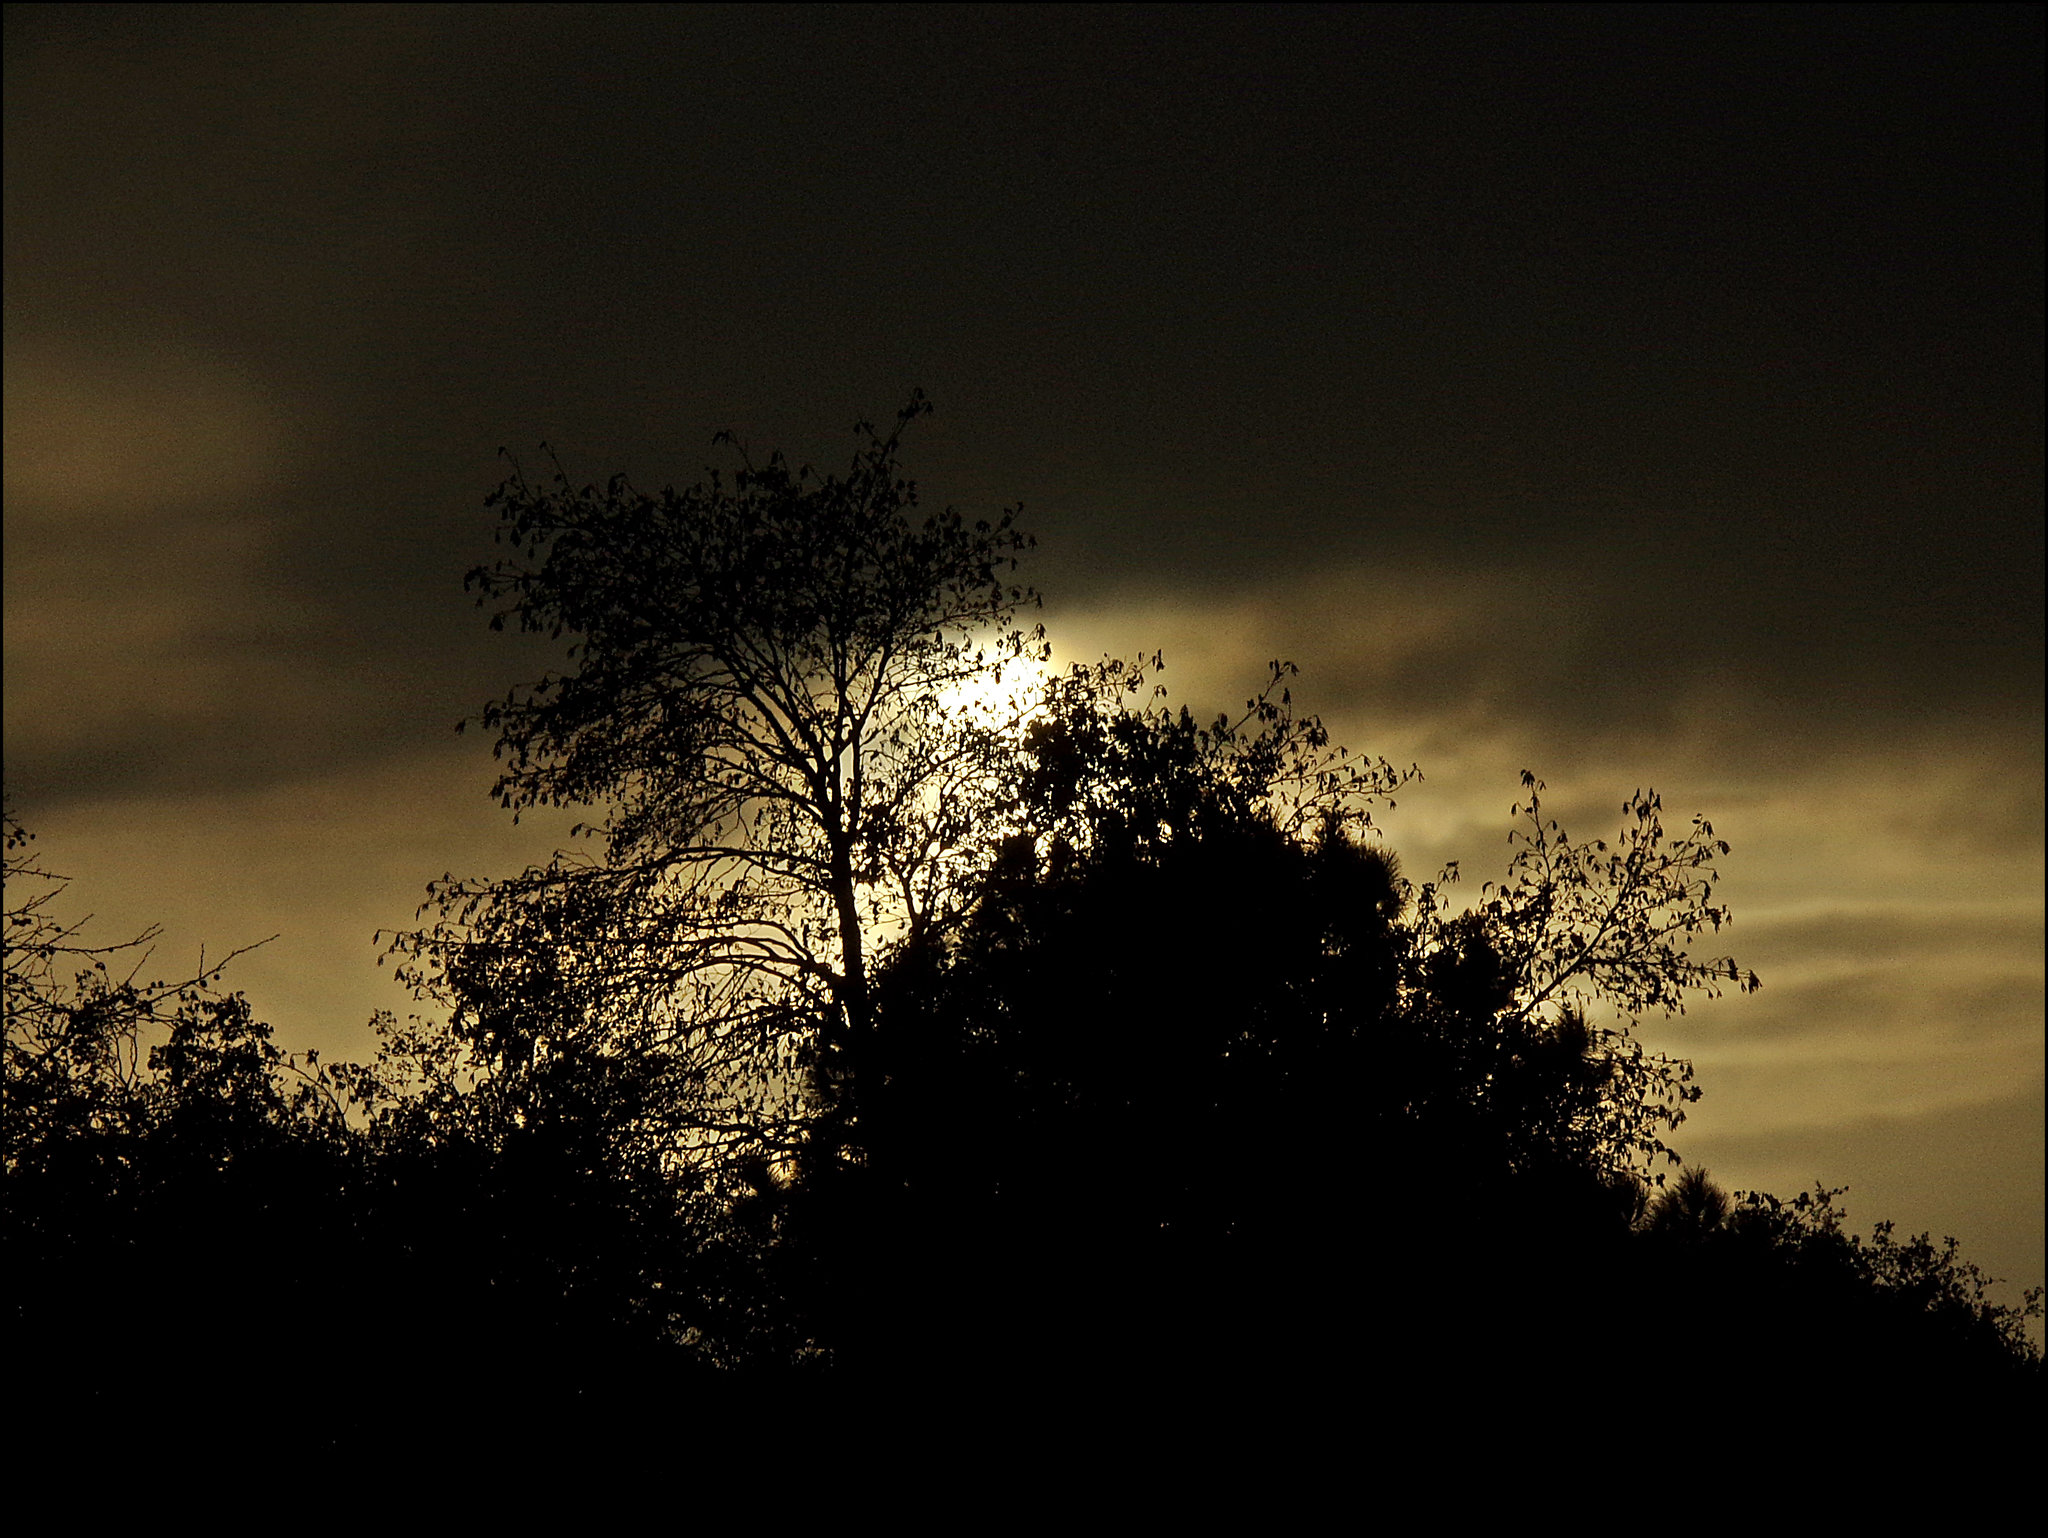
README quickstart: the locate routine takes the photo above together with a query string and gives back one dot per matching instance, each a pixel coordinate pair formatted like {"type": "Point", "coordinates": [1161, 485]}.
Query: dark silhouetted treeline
{"type": "Point", "coordinates": [919, 1026]}
{"type": "Point", "coordinates": [1181, 1110]}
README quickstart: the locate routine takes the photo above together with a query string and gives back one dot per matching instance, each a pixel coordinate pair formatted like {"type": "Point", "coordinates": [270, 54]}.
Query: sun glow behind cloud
{"type": "Point", "coordinates": [1001, 699]}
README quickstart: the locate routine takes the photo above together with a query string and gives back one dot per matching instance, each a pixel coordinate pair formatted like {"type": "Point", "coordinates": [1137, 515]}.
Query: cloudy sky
{"type": "Point", "coordinates": [1641, 396]}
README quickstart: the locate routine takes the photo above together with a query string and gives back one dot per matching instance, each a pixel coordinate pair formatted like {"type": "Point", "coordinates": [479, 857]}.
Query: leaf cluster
{"type": "Point", "coordinates": [85, 1040]}
{"type": "Point", "coordinates": [1110, 765]}
{"type": "Point", "coordinates": [736, 641]}
{"type": "Point", "coordinates": [1904, 1325]}
{"type": "Point", "coordinates": [1584, 920]}
{"type": "Point", "coordinates": [1577, 925]}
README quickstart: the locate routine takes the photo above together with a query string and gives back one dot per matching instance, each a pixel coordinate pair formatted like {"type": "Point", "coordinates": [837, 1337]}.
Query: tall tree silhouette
{"type": "Point", "coordinates": [758, 719]}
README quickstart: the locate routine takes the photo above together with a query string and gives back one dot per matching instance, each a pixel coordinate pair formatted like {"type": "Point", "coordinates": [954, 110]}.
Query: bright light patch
{"type": "Point", "coordinates": [996, 699]}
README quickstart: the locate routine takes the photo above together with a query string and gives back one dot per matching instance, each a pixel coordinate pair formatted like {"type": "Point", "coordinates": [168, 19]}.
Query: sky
{"type": "Point", "coordinates": [1641, 396]}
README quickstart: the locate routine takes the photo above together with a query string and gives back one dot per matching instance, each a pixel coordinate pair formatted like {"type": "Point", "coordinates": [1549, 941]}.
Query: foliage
{"type": "Point", "coordinates": [1196, 1014]}
{"type": "Point", "coordinates": [1691, 1207]}
{"type": "Point", "coordinates": [80, 1034]}
{"type": "Point", "coordinates": [1586, 920]}
{"type": "Point", "coordinates": [1882, 1333]}
{"type": "Point", "coordinates": [1489, 1027]}
{"type": "Point", "coordinates": [1100, 774]}
{"type": "Point", "coordinates": [1933, 1305]}
{"type": "Point", "coordinates": [758, 721]}
{"type": "Point", "coordinates": [165, 1162]}
{"type": "Point", "coordinates": [1574, 926]}
{"type": "Point", "coordinates": [1138, 839]}
{"type": "Point", "coordinates": [185, 1206]}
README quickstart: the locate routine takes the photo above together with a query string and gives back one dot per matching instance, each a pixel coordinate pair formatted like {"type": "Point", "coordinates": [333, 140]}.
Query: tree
{"type": "Point", "coordinates": [1580, 926]}
{"type": "Point", "coordinates": [79, 1027]}
{"type": "Point", "coordinates": [193, 1217]}
{"type": "Point", "coordinates": [1128, 1067]}
{"type": "Point", "coordinates": [164, 1162]}
{"type": "Point", "coordinates": [1479, 1021]}
{"type": "Point", "coordinates": [765, 719]}
{"type": "Point", "coordinates": [1690, 1209]}
{"type": "Point", "coordinates": [1902, 1334]}
{"type": "Point", "coordinates": [1197, 1025]}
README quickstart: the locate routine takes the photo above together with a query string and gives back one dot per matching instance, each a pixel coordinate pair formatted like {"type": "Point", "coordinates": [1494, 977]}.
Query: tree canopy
{"type": "Point", "coordinates": [758, 723]}
{"type": "Point", "coordinates": [1196, 1012]}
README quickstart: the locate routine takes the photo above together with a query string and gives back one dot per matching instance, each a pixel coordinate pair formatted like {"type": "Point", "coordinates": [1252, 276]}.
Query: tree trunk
{"type": "Point", "coordinates": [857, 1008]}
